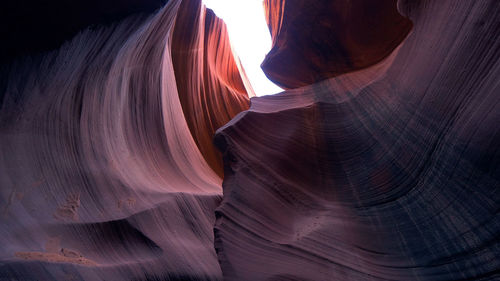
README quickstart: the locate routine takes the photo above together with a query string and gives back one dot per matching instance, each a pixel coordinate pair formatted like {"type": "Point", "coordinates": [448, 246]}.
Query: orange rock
{"type": "Point", "coordinates": [211, 83]}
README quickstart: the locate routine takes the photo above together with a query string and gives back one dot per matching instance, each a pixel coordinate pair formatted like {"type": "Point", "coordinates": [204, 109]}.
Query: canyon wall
{"type": "Point", "coordinates": [101, 178]}
{"type": "Point", "coordinates": [209, 82]}
{"type": "Point", "coordinates": [386, 173]}
{"type": "Point", "coordinates": [317, 40]}
{"type": "Point", "coordinates": [379, 162]}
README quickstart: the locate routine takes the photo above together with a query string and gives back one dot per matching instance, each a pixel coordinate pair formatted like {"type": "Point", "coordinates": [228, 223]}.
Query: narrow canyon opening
{"type": "Point", "coordinates": [132, 146]}
{"type": "Point", "coordinates": [249, 36]}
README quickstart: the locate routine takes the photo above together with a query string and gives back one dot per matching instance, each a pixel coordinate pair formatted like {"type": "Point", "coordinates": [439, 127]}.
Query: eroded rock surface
{"type": "Point", "coordinates": [380, 163]}
{"type": "Point", "coordinates": [387, 173]}
{"type": "Point", "coordinates": [317, 40]}
{"type": "Point", "coordinates": [212, 89]}
{"type": "Point", "coordinates": [101, 177]}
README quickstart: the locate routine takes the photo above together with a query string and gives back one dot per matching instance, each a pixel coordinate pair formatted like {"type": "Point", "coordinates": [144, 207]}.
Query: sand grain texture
{"type": "Point", "coordinates": [386, 173]}
{"type": "Point", "coordinates": [94, 138]}
{"type": "Point", "coordinates": [380, 161]}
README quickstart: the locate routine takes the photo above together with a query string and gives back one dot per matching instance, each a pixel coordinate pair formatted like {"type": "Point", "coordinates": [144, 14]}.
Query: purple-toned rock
{"type": "Point", "coordinates": [317, 40]}
{"type": "Point", "coordinates": [381, 163]}
{"type": "Point", "coordinates": [388, 173]}
{"type": "Point", "coordinates": [101, 177]}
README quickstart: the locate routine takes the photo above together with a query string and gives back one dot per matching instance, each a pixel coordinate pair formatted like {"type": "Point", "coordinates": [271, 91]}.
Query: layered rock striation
{"type": "Point", "coordinates": [380, 161]}
{"type": "Point", "coordinates": [386, 173]}
{"type": "Point", "coordinates": [210, 84]}
{"type": "Point", "coordinates": [101, 176]}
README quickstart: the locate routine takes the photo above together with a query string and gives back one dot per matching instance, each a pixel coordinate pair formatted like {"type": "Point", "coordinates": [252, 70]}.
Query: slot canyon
{"type": "Point", "coordinates": [134, 147]}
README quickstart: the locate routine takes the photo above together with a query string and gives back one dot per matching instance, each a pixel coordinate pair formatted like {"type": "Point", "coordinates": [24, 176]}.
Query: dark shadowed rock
{"type": "Point", "coordinates": [316, 40]}
{"type": "Point", "coordinates": [31, 26]}
{"type": "Point", "coordinates": [384, 165]}
{"type": "Point", "coordinates": [387, 173]}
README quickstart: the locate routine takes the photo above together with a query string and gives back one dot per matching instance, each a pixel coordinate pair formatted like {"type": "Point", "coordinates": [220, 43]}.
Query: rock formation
{"type": "Point", "coordinates": [386, 173]}
{"type": "Point", "coordinates": [97, 153]}
{"type": "Point", "coordinates": [210, 86]}
{"type": "Point", "coordinates": [380, 161]}
{"type": "Point", "coordinates": [316, 40]}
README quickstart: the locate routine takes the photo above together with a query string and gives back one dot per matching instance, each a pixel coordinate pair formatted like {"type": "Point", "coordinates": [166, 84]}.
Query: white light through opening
{"type": "Point", "coordinates": [250, 37]}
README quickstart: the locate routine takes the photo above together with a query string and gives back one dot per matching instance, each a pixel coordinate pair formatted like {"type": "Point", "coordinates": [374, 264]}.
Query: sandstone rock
{"type": "Point", "coordinates": [94, 136]}
{"type": "Point", "coordinates": [317, 40]}
{"type": "Point", "coordinates": [380, 164]}
{"type": "Point", "coordinates": [387, 173]}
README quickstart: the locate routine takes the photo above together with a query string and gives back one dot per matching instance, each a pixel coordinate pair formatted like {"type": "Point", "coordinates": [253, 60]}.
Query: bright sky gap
{"type": "Point", "coordinates": [250, 37]}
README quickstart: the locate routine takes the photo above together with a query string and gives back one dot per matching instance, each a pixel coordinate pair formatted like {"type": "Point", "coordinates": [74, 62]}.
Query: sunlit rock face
{"type": "Point", "coordinates": [316, 40]}
{"type": "Point", "coordinates": [379, 163]}
{"type": "Point", "coordinates": [211, 88]}
{"type": "Point", "coordinates": [100, 176]}
{"type": "Point", "coordinates": [387, 173]}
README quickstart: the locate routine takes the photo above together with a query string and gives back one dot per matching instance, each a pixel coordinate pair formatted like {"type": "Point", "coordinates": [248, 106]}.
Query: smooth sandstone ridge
{"type": "Point", "coordinates": [388, 173]}
{"type": "Point", "coordinates": [210, 84]}
{"type": "Point", "coordinates": [101, 178]}
{"type": "Point", "coordinates": [380, 161]}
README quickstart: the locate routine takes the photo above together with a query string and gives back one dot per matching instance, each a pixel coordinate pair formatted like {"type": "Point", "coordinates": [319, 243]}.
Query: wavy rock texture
{"type": "Point", "coordinates": [316, 40]}
{"type": "Point", "coordinates": [387, 173]}
{"type": "Point", "coordinates": [101, 177]}
{"type": "Point", "coordinates": [210, 86]}
{"type": "Point", "coordinates": [381, 163]}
